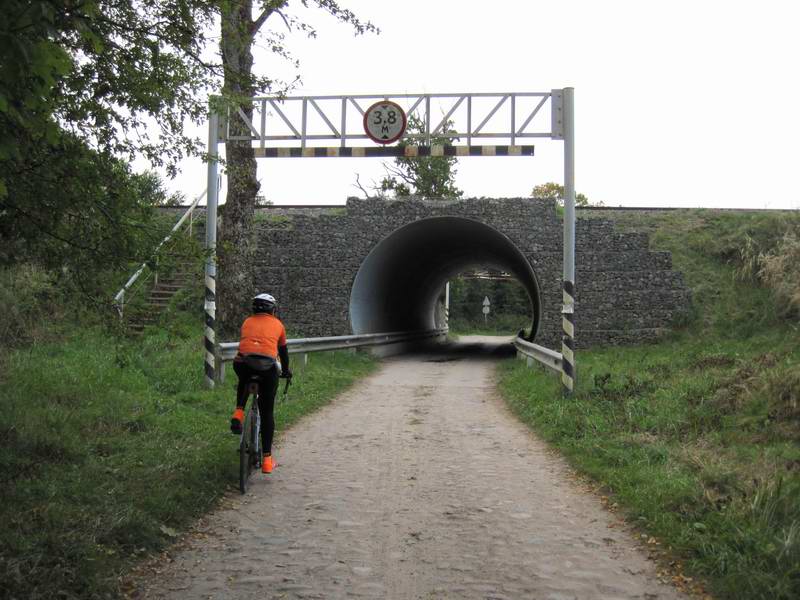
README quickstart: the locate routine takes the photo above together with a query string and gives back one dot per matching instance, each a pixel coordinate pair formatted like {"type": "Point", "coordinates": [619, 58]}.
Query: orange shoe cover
{"type": "Point", "coordinates": [236, 420]}
{"type": "Point", "coordinates": [268, 465]}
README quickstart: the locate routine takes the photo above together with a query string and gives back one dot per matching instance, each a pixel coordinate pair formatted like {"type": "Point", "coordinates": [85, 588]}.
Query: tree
{"type": "Point", "coordinates": [239, 29]}
{"type": "Point", "coordinates": [79, 212]}
{"type": "Point", "coordinates": [80, 85]}
{"type": "Point", "coordinates": [95, 75]}
{"type": "Point", "coordinates": [100, 69]}
{"type": "Point", "coordinates": [555, 191]}
{"type": "Point", "coordinates": [424, 176]}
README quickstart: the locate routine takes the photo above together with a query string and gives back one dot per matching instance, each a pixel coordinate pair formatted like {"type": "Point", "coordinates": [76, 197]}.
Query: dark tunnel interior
{"type": "Point", "coordinates": [398, 284]}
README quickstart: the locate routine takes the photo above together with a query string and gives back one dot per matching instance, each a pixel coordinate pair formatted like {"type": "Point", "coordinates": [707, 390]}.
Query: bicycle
{"type": "Point", "coordinates": [251, 454]}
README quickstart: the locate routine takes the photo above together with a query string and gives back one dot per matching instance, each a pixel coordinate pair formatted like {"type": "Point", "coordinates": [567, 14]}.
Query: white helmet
{"type": "Point", "coordinates": [264, 303]}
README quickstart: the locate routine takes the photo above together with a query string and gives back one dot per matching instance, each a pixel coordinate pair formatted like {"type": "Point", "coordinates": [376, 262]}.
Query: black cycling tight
{"type": "Point", "coordinates": [267, 386]}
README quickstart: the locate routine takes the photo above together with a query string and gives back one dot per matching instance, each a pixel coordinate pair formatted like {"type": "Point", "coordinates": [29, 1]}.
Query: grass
{"type": "Point", "coordinates": [109, 447]}
{"type": "Point", "coordinates": [697, 438]}
{"type": "Point", "coordinates": [500, 324]}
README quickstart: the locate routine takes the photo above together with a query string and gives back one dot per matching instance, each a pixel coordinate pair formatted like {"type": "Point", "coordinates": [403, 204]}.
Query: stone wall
{"type": "Point", "coordinates": [309, 258]}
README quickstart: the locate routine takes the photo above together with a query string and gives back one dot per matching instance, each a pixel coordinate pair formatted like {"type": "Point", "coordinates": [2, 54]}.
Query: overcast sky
{"type": "Point", "coordinates": [679, 103]}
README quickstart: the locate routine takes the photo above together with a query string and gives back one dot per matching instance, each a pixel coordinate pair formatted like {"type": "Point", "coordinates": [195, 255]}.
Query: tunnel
{"type": "Point", "coordinates": [398, 284]}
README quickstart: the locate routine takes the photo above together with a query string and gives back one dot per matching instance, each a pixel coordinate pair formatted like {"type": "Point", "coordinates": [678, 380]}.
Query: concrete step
{"type": "Point", "coordinates": [176, 279]}
{"type": "Point", "coordinates": [146, 318]}
{"type": "Point", "coordinates": [171, 287]}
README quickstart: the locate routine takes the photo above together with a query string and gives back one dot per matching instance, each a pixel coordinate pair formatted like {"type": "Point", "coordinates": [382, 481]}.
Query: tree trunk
{"type": "Point", "coordinates": [236, 244]}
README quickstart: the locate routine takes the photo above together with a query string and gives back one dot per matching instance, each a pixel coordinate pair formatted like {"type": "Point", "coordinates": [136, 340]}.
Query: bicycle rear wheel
{"type": "Point", "coordinates": [256, 450]}
{"type": "Point", "coordinates": [246, 451]}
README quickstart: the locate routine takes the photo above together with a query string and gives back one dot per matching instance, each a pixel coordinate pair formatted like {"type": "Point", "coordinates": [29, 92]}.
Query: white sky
{"type": "Point", "coordinates": [678, 103]}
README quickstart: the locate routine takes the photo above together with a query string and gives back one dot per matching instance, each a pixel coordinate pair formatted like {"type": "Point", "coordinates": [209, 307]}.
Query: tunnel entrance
{"type": "Point", "coordinates": [398, 285]}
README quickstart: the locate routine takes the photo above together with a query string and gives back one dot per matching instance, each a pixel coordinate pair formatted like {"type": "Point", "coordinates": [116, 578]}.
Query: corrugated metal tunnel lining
{"type": "Point", "coordinates": [397, 285]}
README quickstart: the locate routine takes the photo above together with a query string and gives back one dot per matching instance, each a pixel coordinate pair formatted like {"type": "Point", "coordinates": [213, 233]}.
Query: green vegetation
{"type": "Point", "coordinates": [88, 87]}
{"type": "Point", "coordinates": [502, 324]}
{"type": "Point", "coordinates": [510, 306]}
{"type": "Point", "coordinates": [697, 438]}
{"type": "Point", "coordinates": [555, 191]}
{"type": "Point", "coordinates": [272, 219]}
{"type": "Point", "coordinates": [339, 211]}
{"type": "Point", "coordinates": [109, 446]}
{"type": "Point", "coordinates": [425, 177]}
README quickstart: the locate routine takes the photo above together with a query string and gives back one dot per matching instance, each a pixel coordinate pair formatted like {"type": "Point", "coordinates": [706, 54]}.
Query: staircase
{"type": "Point", "coordinates": [184, 270]}
{"type": "Point", "coordinates": [164, 289]}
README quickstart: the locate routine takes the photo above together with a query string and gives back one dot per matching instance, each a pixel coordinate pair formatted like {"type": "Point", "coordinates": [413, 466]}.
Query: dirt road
{"type": "Point", "coordinates": [417, 483]}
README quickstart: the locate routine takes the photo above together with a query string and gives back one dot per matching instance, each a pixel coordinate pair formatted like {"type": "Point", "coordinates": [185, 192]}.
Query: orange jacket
{"type": "Point", "coordinates": [262, 334]}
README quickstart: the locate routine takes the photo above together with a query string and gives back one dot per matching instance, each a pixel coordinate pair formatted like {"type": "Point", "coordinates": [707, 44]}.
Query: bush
{"type": "Point", "coordinates": [780, 271]}
{"type": "Point", "coordinates": [776, 265]}
{"type": "Point", "coordinates": [31, 303]}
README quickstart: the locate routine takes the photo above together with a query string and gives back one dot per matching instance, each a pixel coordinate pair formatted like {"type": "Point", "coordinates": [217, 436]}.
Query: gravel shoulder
{"type": "Point", "coordinates": [416, 483]}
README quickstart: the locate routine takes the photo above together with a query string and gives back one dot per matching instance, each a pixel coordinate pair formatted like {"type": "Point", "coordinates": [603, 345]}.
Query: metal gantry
{"type": "Point", "coordinates": [469, 124]}
{"type": "Point", "coordinates": [303, 121]}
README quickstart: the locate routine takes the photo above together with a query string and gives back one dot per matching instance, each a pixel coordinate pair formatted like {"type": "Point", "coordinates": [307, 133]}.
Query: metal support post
{"type": "Point", "coordinates": [568, 306]}
{"type": "Point", "coordinates": [447, 304]}
{"type": "Point", "coordinates": [211, 249]}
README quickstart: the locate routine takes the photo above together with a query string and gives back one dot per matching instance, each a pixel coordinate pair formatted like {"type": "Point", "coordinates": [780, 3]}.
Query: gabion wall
{"type": "Point", "coordinates": [626, 293]}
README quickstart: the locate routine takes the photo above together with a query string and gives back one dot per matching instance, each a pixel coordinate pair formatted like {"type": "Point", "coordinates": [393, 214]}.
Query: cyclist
{"type": "Point", "coordinates": [262, 341]}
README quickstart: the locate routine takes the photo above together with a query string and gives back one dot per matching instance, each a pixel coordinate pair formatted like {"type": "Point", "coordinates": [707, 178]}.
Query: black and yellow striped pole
{"type": "Point", "coordinates": [210, 304]}
{"type": "Point", "coordinates": [568, 379]}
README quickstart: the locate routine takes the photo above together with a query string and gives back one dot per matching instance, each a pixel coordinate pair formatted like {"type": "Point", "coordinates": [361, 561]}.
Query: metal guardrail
{"type": "Point", "coordinates": [549, 358]}
{"type": "Point", "coordinates": [228, 350]}
{"type": "Point", "coordinates": [119, 299]}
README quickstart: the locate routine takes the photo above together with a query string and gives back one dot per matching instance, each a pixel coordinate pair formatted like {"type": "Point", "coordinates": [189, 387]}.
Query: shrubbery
{"type": "Point", "coordinates": [510, 305]}
{"type": "Point", "coordinates": [779, 269]}
{"type": "Point", "coordinates": [771, 258]}
{"type": "Point", "coordinates": [32, 304]}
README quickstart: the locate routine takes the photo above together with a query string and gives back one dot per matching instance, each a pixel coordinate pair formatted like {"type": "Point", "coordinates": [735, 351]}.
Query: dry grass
{"type": "Point", "coordinates": [780, 270]}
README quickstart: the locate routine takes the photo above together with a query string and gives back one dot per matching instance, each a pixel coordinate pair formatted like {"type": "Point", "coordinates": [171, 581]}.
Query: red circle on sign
{"type": "Point", "coordinates": [385, 122]}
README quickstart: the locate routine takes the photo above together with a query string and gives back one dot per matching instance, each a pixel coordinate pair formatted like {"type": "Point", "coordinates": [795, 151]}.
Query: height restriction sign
{"type": "Point", "coordinates": [385, 122]}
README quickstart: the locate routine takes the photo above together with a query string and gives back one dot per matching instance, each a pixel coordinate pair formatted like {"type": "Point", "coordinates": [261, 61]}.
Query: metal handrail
{"type": "Point", "coordinates": [228, 350]}
{"type": "Point", "coordinates": [119, 298]}
{"type": "Point", "coordinates": [549, 358]}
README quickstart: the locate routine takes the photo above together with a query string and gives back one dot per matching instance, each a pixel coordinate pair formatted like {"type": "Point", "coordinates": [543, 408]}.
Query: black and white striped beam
{"type": "Point", "coordinates": [210, 310]}
{"type": "Point", "coordinates": [393, 151]}
{"type": "Point", "coordinates": [568, 339]}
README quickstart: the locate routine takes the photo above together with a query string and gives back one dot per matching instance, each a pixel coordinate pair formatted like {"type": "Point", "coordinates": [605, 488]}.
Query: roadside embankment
{"type": "Point", "coordinates": [697, 439]}
{"type": "Point", "coordinates": [109, 447]}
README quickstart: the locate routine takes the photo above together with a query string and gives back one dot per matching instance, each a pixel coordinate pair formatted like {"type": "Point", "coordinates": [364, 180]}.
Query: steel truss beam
{"type": "Point", "coordinates": [308, 121]}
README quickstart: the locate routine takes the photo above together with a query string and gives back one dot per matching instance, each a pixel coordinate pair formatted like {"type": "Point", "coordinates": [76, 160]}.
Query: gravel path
{"type": "Point", "coordinates": [417, 483]}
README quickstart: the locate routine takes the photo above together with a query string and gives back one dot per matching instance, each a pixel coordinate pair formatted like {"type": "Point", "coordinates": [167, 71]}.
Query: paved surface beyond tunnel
{"type": "Point", "coordinates": [417, 483]}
